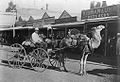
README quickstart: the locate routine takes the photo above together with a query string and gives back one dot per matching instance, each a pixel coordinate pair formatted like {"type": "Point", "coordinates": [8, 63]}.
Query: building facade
{"type": "Point", "coordinates": [110, 17]}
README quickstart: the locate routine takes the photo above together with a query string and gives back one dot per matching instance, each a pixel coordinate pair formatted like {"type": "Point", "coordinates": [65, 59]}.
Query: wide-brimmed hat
{"type": "Point", "coordinates": [36, 28]}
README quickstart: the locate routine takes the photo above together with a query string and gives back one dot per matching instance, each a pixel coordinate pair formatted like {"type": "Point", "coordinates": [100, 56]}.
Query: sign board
{"type": "Point", "coordinates": [49, 20]}
{"type": "Point", "coordinates": [100, 12]}
{"type": "Point", "coordinates": [66, 20]}
{"type": "Point", "coordinates": [7, 19]}
{"type": "Point", "coordinates": [45, 21]}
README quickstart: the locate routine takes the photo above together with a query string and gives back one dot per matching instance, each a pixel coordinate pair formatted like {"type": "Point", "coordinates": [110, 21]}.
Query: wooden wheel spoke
{"type": "Point", "coordinates": [33, 61]}
{"type": "Point", "coordinates": [39, 66]}
{"type": "Point", "coordinates": [54, 62]}
{"type": "Point", "coordinates": [39, 55]}
{"type": "Point", "coordinates": [17, 56]}
{"type": "Point", "coordinates": [51, 60]}
{"type": "Point", "coordinates": [43, 55]}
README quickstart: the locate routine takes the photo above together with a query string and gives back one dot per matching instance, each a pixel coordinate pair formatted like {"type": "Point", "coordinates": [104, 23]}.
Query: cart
{"type": "Point", "coordinates": [19, 56]}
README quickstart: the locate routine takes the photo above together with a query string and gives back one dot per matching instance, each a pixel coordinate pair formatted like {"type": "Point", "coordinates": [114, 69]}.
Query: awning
{"type": "Point", "coordinates": [83, 22]}
{"type": "Point", "coordinates": [15, 28]}
{"type": "Point", "coordinates": [65, 24]}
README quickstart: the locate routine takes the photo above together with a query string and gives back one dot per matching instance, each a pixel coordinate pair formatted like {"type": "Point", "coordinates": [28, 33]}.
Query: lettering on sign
{"type": "Point", "coordinates": [65, 20]}
{"type": "Point", "coordinates": [100, 12]}
{"type": "Point", "coordinates": [45, 21]}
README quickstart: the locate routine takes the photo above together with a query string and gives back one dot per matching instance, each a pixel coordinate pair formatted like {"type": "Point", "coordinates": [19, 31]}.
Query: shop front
{"type": "Point", "coordinates": [109, 17]}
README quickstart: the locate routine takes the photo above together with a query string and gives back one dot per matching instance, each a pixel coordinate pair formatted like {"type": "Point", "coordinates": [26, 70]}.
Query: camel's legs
{"type": "Point", "coordinates": [63, 62]}
{"type": "Point", "coordinates": [62, 59]}
{"type": "Point", "coordinates": [81, 63]}
{"type": "Point", "coordinates": [84, 62]}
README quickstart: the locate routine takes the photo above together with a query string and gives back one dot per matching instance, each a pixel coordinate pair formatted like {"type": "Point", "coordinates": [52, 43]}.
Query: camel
{"type": "Point", "coordinates": [88, 45]}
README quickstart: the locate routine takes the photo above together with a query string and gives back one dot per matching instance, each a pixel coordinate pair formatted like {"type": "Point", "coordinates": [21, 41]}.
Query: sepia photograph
{"type": "Point", "coordinates": [59, 40]}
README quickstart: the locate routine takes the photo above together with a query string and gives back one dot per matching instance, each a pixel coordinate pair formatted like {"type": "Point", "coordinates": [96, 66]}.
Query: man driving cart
{"type": "Point", "coordinates": [38, 39]}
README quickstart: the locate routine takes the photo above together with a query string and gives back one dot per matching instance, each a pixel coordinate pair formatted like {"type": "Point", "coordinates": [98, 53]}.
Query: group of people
{"type": "Point", "coordinates": [73, 36]}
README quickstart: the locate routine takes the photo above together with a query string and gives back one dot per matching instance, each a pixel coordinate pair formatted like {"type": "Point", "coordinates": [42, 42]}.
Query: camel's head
{"type": "Point", "coordinates": [100, 27]}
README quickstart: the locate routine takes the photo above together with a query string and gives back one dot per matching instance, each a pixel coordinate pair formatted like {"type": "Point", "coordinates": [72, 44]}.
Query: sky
{"type": "Point", "coordinates": [73, 6]}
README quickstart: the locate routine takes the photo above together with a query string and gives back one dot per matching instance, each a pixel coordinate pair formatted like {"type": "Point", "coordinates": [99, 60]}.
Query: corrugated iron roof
{"type": "Point", "coordinates": [25, 13]}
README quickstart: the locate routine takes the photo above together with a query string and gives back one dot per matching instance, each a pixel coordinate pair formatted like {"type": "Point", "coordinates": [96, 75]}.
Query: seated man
{"type": "Point", "coordinates": [37, 40]}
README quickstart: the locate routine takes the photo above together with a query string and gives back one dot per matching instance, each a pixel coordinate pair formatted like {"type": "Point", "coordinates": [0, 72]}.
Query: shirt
{"type": "Point", "coordinates": [36, 38]}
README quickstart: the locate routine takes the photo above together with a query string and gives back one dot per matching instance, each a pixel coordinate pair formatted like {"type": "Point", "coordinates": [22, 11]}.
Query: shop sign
{"type": "Point", "coordinates": [100, 12]}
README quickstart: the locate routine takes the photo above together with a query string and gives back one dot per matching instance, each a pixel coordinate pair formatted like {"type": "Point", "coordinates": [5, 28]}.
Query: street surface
{"type": "Point", "coordinates": [96, 72]}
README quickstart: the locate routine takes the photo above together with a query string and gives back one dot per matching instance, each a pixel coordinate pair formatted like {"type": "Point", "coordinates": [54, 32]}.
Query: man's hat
{"type": "Point", "coordinates": [36, 28]}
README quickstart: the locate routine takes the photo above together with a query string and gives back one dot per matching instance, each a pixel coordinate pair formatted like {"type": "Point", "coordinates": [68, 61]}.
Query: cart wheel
{"type": "Point", "coordinates": [16, 56]}
{"type": "Point", "coordinates": [39, 60]}
{"type": "Point", "coordinates": [55, 61]}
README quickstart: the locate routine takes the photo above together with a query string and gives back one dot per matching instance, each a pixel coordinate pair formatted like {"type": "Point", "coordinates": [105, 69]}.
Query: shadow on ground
{"type": "Point", "coordinates": [27, 66]}
{"type": "Point", "coordinates": [102, 72]}
{"type": "Point", "coordinates": [97, 72]}
{"type": "Point", "coordinates": [98, 58]}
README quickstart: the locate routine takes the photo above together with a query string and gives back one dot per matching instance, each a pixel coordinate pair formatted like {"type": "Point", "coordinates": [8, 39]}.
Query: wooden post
{"type": "Point", "coordinates": [84, 30]}
{"type": "Point", "coordinates": [13, 33]}
{"type": "Point", "coordinates": [106, 41]}
{"type": "Point", "coordinates": [47, 32]}
{"type": "Point", "coordinates": [118, 39]}
{"type": "Point", "coordinates": [65, 32]}
{"type": "Point", "coordinates": [52, 36]}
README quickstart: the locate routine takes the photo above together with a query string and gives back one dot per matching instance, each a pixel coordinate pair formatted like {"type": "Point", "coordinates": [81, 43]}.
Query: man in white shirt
{"type": "Point", "coordinates": [35, 36]}
{"type": "Point", "coordinates": [37, 40]}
